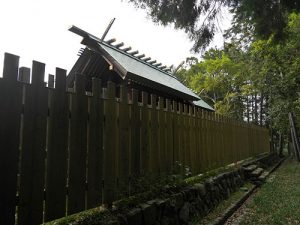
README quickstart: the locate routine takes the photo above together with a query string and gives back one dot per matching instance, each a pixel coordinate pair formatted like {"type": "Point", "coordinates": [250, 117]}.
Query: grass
{"type": "Point", "coordinates": [278, 201]}
{"type": "Point", "coordinates": [220, 209]}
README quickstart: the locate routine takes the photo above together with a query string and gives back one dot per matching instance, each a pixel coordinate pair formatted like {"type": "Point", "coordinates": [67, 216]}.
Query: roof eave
{"type": "Point", "coordinates": [114, 65]}
{"type": "Point", "coordinates": [160, 87]}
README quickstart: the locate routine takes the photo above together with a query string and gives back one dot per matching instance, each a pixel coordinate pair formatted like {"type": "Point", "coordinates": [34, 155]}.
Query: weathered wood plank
{"type": "Point", "coordinates": [55, 205]}
{"type": "Point", "coordinates": [110, 147]}
{"type": "Point", "coordinates": [135, 135]}
{"type": "Point", "coordinates": [145, 150]}
{"type": "Point", "coordinates": [161, 136]}
{"type": "Point", "coordinates": [175, 137]}
{"type": "Point", "coordinates": [181, 139]}
{"type": "Point", "coordinates": [95, 146]}
{"type": "Point", "coordinates": [24, 75]}
{"type": "Point", "coordinates": [169, 137]}
{"type": "Point", "coordinates": [51, 81]}
{"type": "Point", "coordinates": [124, 152]}
{"type": "Point", "coordinates": [193, 152]}
{"type": "Point", "coordinates": [10, 116]}
{"type": "Point", "coordinates": [33, 148]}
{"type": "Point", "coordinates": [154, 156]}
{"type": "Point", "coordinates": [77, 147]}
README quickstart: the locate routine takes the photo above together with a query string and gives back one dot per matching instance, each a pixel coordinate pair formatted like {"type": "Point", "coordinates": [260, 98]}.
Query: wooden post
{"type": "Point", "coordinates": [135, 135]}
{"type": "Point", "coordinates": [145, 150]}
{"type": "Point", "coordinates": [51, 81]}
{"type": "Point", "coordinates": [55, 205]}
{"type": "Point", "coordinates": [33, 148]}
{"type": "Point", "coordinates": [78, 147]}
{"type": "Point", "coordinates": [161, 136]}
{"type": "Point", "coordinates": [109, 163]}
{"type": "Point", "coordinates": [176, 135]}
{"type": "Point", "coordinates": [169, 136]}
{"type": "Point", "coordinates": [95, 146]}
{"type": "Point", "coordinates": [154, 155]}
{"type": "Point", "coordinates": [10, 116]}
{"type": "Point", "coordinates": [124, 142]}
{"type": "Point", "coordinates": [24, 75]}
{"type": "Point", "coordinates": [294, 136]}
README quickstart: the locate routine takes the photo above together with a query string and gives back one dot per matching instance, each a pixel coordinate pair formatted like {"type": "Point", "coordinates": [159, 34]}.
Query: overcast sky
{"type": "Point", "coordinates": [38, 30]}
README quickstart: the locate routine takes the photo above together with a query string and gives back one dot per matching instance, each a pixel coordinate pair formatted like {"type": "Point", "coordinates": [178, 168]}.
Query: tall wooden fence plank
{"type": "Point", "coordinates": [145, 151]}
{"type": "Point", "coordinates": [55, 205]}
{"type": "Point", "coordinates": [95, 146]}
{"type": "Point", "coordinates": [154, 156]}
{"type": "Point", "coordinates": [135, 135]}
{"type": "Point", "coordinates": [109, 167]}
{"type": "Point", "coordinates": [34, 149]}
{"type": "Point", "coordinates": [77, 147]}
{"type": "Point", "coordinates": [169, 137]}
{"type": "Point", "coordinates": [10, 115]}
{"type": "Point", "coordinates": [124, 142]}
{"type": "Point", "coordinates": [161, 135]}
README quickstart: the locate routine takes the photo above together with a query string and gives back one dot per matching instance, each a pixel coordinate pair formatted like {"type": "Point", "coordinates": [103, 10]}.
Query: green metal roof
{"type": "Point", "coordinates": [128, 66]}
{"type": "Point", "coordinates": [138, 67]}
{"type": "Point", "coordinates": [203, 104]}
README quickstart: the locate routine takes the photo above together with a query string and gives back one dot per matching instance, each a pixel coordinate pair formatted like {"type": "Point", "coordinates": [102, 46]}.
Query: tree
{"type": "Point", "coordinates": [260, 83]}
{"type": "Point", "coordinates": [200, 18]}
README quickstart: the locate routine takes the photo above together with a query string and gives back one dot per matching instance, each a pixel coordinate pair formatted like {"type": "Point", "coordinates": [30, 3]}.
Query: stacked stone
{"type": "Point", "coordinates": [182, 206]}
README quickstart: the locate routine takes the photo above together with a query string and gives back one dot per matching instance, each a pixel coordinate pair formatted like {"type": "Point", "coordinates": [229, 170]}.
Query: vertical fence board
{"type": "Point", "coordinates": [161, 135]}
{"type": "Point", "coordinates": [95, 146]}
{"type": "Point", "coordinates": [181, 132]}
{"type": "Point", "coordinates": [135, 135]}
{"type": "Point", "coordinates": [193, 141]}
{"type": "Point", "coordinates": [144, 135]}
{"type": "Point", "coordinates": [109, 169]}
{"type": "Point", "coordinates": [175, 136]}
{"type": "Point", "coordinates": [124, 141]}
{"type": "Point", "coordinates": [24, 75]}
{"type": "Point", "coordinates": [154, 137]}
{"type": "Point", "coordinates": [77, 147]}
{"type": "Point", "coordinates": [10, 115]}
{"type": "Point", "coordinates": [55, 205]}
{"type": "Point", "coordinates": [169, 137]}
{"type": "Point", "coordinates": [51, 81]}
{"type": "Point", "coordinates": [33, 149]}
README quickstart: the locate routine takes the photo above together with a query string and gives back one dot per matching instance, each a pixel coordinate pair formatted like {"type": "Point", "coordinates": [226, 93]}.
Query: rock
{"type": "Point", "coordinates": [160, 207]}
{"type": "Point", "coordinates": [263, 176]}
{"type": "Point", "coordinates": [250, 168]}
{"type": "Point", "coordinates": [201, 189]}
{"type": "Point", "coordinates": [184, 213]}
{"type": "Point", "coordinates": [122, 219]}
{"type": "Point", "coordinates": [244, 189]}
{"type": "Point", "coordinates": [257, 172]}
{"type": "Point", "coordinates": [177, 201]}
{"type": "Point", "coordinates": [165, 221]}
{"type": "Point", "coordinates": [134, 216]}
{"type": "Point", "coordinates": [169, 209]}
{"type": "Point", "coordinates": [112, 222]}
{"type": "Point", "coordinates": [148, 213]}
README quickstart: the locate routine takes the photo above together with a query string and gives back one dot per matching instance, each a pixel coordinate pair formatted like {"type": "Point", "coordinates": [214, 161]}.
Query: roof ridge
{"type": "Point", "coordinates": [141, 57]}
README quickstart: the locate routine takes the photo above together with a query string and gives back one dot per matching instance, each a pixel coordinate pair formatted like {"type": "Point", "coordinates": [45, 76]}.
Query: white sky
{"type": "Point", "coordinates": [38, 30]}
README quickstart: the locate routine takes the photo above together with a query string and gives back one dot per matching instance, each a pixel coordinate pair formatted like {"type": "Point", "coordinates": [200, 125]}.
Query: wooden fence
{"type": "Point", "coordinates": [65, 151]}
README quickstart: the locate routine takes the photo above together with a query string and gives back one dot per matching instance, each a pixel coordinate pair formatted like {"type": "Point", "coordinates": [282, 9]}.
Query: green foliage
{"type": "Point", "coordinates": [258, 83]}
{"type": "Point", "coordinates": [200, 19]}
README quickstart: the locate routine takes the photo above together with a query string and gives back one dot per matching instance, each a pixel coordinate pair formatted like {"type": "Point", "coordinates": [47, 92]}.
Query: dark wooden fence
{"type": "Point", "coordinates": [65, 151]}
